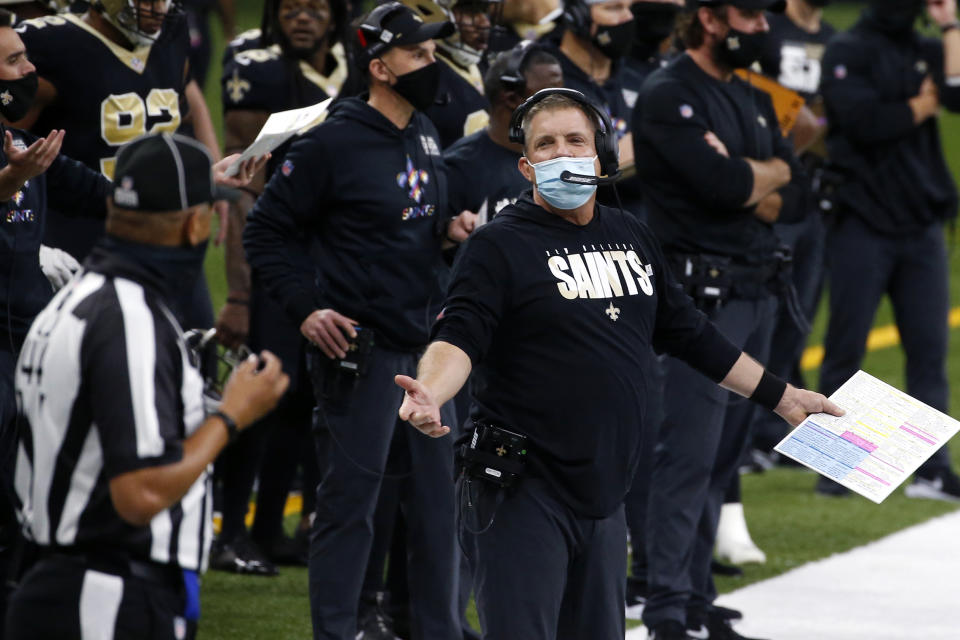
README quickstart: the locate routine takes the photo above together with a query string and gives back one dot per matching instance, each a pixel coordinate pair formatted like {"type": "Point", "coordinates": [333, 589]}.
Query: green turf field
{"type": "Point", "coordinates": [787, 520]}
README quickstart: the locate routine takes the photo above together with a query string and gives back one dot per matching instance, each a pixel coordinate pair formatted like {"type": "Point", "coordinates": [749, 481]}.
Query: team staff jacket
{"type": "Point", "coordinates": [67, 185]}
{"type": "Point", "coordinates": [897, 179]}
{"type": "Point", "coordinates": [695, 195]}
{"type": "Point", "coordinates": [368, 199]}
{"type": "Point", "coordinates": [558, 320]}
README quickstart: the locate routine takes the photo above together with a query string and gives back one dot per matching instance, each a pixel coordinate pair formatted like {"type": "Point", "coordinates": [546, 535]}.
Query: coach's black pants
{"type": "Point", "coordinates": [697, 453]}
{"type": "Point", "coordinates": [913, 270]}
{"type": "Point", "coordinates": [356, 423]}
{"type": "Point", "coordinates": [540, 571]}
{"type": "Point", "coordinates": [61, 599]}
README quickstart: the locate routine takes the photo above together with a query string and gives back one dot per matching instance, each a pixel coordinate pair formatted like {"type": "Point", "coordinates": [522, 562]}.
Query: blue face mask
{"type": "Point", "coordinates": [560, 194]}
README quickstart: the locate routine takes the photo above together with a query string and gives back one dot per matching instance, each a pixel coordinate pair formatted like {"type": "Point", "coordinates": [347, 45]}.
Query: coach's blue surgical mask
{"type": "Point", "coordinates": [560, 194]}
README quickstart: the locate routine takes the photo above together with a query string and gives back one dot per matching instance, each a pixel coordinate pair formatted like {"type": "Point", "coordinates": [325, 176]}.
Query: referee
{"type": "Point", "coordinates": [114, 450]}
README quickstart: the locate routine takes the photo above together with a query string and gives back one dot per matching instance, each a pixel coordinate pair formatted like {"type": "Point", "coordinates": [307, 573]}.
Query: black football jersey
{"type": "Point", "coordinates": [114, 96]}
{"type": "Point", "coordinates": [249, 39]}
{"type": "Point", "coordinates": [107, 95]}
{"type": "Point", "coordinates": [460, 107]}
{"type": "Point", "coordinates": [266, 80]}
{"type": "Point", "coordinates": [794, 56]}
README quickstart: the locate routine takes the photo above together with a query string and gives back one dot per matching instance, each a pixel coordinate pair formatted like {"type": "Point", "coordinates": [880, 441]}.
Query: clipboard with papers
{"type": "Point", "coordinates": [884, 436]}
{"type": "Point", "coordinates": [279, 128]}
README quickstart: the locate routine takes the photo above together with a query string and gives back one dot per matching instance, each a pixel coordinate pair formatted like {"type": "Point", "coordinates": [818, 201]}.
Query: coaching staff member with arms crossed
{"type": "Point", "coordinates": [113, 458]}
{"type": "Point", "coordinates": [717, 173]}
{"type": "Point", "coordinates": [366, 189]}
{"type": "Point", "coordinates": [556, 301]}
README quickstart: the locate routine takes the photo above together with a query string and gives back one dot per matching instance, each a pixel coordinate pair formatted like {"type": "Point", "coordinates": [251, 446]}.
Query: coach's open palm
{"type": "Point", "coordinates": [419, 408]}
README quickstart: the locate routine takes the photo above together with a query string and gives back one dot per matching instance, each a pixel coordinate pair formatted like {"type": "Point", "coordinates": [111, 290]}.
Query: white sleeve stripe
{"type": "Point", "coordinates": [138, 329]}
{"type": "Point", "coordinates": [100, 598]}
{"type": "Point", "coordinates": [952, 81]}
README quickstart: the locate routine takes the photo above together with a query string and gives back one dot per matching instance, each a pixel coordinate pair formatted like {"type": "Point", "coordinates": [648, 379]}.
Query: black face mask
{"type": "Point", "coordinates": [739, 50]}
{"type": "Point", "coordinates": [654, 21]}
{"type": "Point", "coordinates": [176, 269]}
{"type": "Point", "coordinates": [894, 17]}
{"type": "Point", "coordinates": [17, 96]}
{"type": "Point", "coordinates": [614, 41]}
{"type": "Point", "coordinates": [419, 87]}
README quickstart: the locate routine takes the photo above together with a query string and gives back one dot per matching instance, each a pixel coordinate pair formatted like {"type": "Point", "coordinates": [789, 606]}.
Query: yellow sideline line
{"type": "Point", "coordinates": [879, 338]}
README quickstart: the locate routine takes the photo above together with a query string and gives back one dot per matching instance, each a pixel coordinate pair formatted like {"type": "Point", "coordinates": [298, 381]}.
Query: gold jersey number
{"type": "Point", "coordinates": [124, 118]}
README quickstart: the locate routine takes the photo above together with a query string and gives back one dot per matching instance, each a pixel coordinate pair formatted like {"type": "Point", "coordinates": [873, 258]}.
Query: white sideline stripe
{"type": "Point", "coordinates": [903, 586]}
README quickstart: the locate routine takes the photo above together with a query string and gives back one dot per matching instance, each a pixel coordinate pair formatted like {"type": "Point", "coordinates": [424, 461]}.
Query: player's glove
{"type": "Point", "coordinates": [57, 265]}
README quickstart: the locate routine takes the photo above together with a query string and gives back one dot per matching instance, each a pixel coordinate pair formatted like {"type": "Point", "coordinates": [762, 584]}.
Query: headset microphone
{"type": "Point", "coordinates": [579, 178]}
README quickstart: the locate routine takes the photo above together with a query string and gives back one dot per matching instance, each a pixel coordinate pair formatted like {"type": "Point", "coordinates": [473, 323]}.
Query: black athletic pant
{"type": "Point", "coordinates": [913, 270]}
{"type": "Point", "coordinates": [289, 444]}
{"type": "Point", "coordinates": [61, 599]}
{"type": "Point", "coordinates": [698, 450]}
{"type": "Point", "coordinates": [356, 423]}
{"type": "Point", "coordinates": [540, 571]}
{"type": "Point", "coordinates": [636, 501]}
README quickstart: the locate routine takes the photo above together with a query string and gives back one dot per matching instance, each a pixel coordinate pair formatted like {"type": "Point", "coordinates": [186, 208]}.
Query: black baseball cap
{"type": "Point", "coordinates": [394, 24]}
{"type": "Point", "coordinates": [776, 6]}
{"type": "Point", "coordinates": [165, 172]}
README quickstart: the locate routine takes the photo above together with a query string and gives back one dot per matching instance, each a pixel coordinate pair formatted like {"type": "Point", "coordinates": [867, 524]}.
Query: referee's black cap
{"type": "Point", "coordinates": [165, 172]}
{"type": "Point", "coordinates": [776, 6]}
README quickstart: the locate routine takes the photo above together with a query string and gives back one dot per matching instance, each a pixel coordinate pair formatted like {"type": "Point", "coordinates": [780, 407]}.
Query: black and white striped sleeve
{"type": "Point", "coordinates": [131, 364]}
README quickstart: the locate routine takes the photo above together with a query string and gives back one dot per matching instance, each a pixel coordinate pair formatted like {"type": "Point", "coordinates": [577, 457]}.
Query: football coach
{"type": "Point", "coordinates": [554, 303]}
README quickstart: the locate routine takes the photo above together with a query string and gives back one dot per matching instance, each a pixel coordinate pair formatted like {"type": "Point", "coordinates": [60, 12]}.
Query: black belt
{"type": "Point", "coordinates": [710, 280]}
{"type": "Point", "coordinates": [164, 574]}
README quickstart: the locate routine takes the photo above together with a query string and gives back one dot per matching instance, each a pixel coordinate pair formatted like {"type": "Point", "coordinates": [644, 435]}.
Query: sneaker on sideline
{"type": "Point", "coordinates": [669, 630]}
{"type": "Point", "coordinates": [240, 555]}
{"type": "Point", "coordinates": [636, 598]}
{"type": "Point", "coordinates": [373, 622]}
{"type": "Point", "coordinates": [945, 486]}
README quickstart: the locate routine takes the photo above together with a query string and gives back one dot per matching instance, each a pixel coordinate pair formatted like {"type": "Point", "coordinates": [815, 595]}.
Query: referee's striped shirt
{"type": "Point", "coordinates": [105, 386]}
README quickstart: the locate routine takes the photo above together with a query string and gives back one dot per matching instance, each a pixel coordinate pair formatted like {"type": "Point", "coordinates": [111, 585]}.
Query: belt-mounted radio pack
{"type": "Point", "coordinates": [357, 360]}
{"type": "Point", "coordinates": [494, 454]}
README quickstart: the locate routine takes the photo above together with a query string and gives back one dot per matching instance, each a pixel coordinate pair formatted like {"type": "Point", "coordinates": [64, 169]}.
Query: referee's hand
{"type": "Point", "coordinates": [254, 389]}
{"type": "Point", "coordinates": [419, 408]}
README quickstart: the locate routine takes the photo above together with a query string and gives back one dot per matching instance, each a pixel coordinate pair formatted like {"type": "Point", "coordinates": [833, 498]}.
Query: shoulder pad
{"type": "Point", "coordinates": [254, 79]}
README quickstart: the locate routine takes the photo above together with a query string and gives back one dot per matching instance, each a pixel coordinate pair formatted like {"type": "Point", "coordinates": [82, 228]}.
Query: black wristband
{"type": "Point", "coordinates": [769, 391]}
{"type": "Point", "coordinates": [229, 423]}
{"type": "Point", "coordinates": [232, 300]}
{"type": "Point", "coordinates": [950, 26]}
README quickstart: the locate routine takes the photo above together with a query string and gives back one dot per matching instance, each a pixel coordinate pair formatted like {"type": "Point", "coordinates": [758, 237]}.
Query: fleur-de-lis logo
{"type": "Point", "coordinates": [413, 180]}
{"type": "Point", "coordinates": [237, 87]}
{"type": "Point", "coordinates": [6, 98]}
{"type": "Point", "coordinates": [613, 312]}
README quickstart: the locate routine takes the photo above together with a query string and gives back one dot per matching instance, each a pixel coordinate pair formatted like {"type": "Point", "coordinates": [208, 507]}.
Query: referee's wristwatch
{"type": "Point", "coordinates": [229, 423]}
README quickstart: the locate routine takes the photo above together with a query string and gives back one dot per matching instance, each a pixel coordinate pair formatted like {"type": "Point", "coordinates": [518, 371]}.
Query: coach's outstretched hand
{"type": "Point", "coordinates": [797, 404]}
{"type": "Point", "coordinates": [419, 408]}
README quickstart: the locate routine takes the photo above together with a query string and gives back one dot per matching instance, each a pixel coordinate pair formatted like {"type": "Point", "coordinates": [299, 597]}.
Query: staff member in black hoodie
{"type": "Point", "coordinates": [884, 85]}
{"type": "Point", "coordinates": [556, 302]}
{"type": "Point", "coordinates": [366, 190]}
